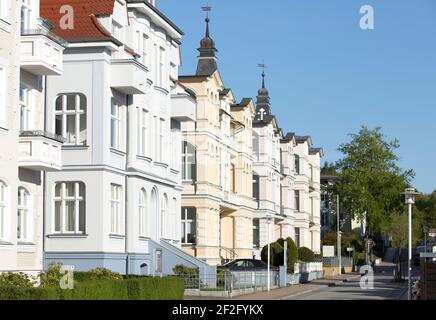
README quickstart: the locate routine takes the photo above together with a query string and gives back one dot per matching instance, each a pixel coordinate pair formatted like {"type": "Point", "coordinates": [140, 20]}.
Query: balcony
{"type": "Point", "coordinates": [41, 52]}
{"type": "Point", "coordinates": [40, 150]}
{"type": "Point", "coordinates": [183, 107]}
{"type": "Point", "coordinates": [128, 76]}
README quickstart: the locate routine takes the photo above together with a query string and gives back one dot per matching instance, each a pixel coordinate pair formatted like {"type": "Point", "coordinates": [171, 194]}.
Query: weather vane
{"type": "Point", "coordinates": [207, 8]}
{"type": "Point", "coordinates": [263, 66]}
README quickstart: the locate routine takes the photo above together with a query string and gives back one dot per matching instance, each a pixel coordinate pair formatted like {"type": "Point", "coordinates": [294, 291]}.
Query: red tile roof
{"type": "Point", "coordinates": [86, 24]}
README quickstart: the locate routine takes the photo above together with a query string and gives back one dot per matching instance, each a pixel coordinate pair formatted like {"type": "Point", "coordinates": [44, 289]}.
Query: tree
{"type": "Point", "coordinates": [329, 169]}
{"type": "Point", "coordinates": [371, 181]}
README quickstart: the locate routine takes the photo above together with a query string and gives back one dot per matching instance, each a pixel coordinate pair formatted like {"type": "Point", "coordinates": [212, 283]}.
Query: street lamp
{"type": "Point", "coordinates": [410, 200]}
{"type": "Point", "coordinates": [269, 253]}
{"type": "Point", "coordinates": [339, 236]}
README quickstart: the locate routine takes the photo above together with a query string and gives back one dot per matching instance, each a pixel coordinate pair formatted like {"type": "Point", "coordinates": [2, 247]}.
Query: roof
{"type": "Point", "coordinates": [302, 139]}
{"type": "Point", "coordinates": [86, 25]}
{"type": "Point", "coordinates": [289, 137]}
{"type": "Point", "coordinates": [245, 102]}
{"type": "Point", "coordinates": [314, 151]}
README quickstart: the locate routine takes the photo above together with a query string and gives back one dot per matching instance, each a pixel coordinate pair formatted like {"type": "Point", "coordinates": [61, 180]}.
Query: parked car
{"type": "Point", "coordinates": [246, 265]}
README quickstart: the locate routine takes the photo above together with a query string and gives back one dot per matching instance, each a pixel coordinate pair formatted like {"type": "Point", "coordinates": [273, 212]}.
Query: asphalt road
{"type": "Point", "coordinates": [384, 289]}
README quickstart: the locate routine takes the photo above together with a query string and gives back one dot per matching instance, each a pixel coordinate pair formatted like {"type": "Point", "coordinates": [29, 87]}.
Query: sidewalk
{"type": "Point", "coordinates": [299, 289]}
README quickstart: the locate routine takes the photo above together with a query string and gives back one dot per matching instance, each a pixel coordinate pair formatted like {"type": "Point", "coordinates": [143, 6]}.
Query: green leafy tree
{"type": "Point", "coordinates": [371, 181]}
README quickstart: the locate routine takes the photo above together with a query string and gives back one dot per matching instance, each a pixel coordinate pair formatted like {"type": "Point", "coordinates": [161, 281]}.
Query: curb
{"type": "Point", "coordinates": [321, 287]}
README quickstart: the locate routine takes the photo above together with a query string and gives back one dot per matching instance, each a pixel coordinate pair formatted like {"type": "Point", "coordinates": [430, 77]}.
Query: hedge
{"type": "Point", "coordinates": [144, 288]}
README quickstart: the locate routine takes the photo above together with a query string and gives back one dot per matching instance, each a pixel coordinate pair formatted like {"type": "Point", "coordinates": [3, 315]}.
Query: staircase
{"type": "Point", "coordinates": [227, 255]}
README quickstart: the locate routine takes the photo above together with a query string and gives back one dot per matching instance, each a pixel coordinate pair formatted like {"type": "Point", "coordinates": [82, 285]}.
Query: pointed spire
{"type": "Point", "coordinates": [263, 79]}
{"type": "Point", "coordinates": [263, 101]}
{"type": "Point", "coordinates": [207, 60]}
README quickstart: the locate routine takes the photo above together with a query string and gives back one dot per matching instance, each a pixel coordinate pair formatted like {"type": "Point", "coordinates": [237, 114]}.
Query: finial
{"type": "Point", "coordinates": [263, 66]}
{"type": "Point", "coordinates": [207, 9]}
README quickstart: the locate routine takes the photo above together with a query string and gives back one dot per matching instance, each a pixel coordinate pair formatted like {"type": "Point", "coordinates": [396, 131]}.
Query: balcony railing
{"type": "Point", "coordinates": [47, 33]}
{"type": "Point", "coordinates": [42, 133]}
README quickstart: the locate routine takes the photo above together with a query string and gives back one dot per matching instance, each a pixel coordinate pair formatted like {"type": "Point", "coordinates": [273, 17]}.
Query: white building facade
{"type": "Point", "coordinates": [29, 149]}
{"type": "Point", "coordinates": [116, 202]}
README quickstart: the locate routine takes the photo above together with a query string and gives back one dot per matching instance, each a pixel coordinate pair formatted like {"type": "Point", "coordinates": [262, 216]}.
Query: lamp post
{"type": "Point", "coordinates": [339, 235]}
{"type": "Point", "coordinates": [410, 200]}
{"type": "Point", "coordinates": [425, 238]}
{"type": "Point", "coordinates": [269, 254]}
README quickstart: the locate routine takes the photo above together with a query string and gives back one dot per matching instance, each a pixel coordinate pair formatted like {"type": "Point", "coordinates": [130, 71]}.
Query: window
{"type": "Point", "coordinates": [26, 13]}
{"type": "Point", "coordinates": [116, 30]}
{"type": "Point", "coordinates": [69, 208]}
{"type": "Point", "coordinates": [3, 91]}
{"type": "Point", "coordinates": [3, 208]}
{"type": "Point", "coordinates": [256, 233]}
{"type": "Point", "coordinates": [256, 188]}
{"type": "Point", "coordinates": [297, 237]}
{"type": "Point", "coordinates": [143, 132]}
{"type": "Point", "coordinates": [188, 226]}
{"type": "Point", "coordinates": [297, 163]}
{"type": "Point", "coordinates": [115, 126]}
{"type": "Point", "coordinates": [161, 142]}
{"type": "Point", "coordinates": [188, 161]}
{"type": "Point", "coordinates": [4, 9]}
{"type": "Point", "coordinates": [256, 145]}
{"type": "Point", "coordinates": [24, 106]}
{"type": "Point", "coordinates": [23, 218]}
{"type": "Point", "coordinates": [164, 217]}
{"type": "Point", "coordinates": [116, 217]}
{"type": "Point", "coordinates": [143, 232]}
{"type": "Point", "coordinates": [70, 118]}
{"type": "Point", "coordinates": [297, 200]}
{"type": "Point", "coordinates": [144, 48]}
{"type": "Point", "coordinates": [161, 68]}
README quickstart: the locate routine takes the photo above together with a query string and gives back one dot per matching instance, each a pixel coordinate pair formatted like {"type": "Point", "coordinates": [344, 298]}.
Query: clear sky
{"type": "Point", "coordinates": [325, 75]}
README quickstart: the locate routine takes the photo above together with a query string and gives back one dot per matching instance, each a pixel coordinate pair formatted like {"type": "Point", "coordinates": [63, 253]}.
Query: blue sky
{"type": "Point", "coordinates": [326, 76]}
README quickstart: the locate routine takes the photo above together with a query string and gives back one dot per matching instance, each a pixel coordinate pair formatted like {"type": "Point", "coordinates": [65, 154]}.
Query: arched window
{"type": "Point", "coordinates": [24, 219]}
{"type": "Point", "coordinates": [189, 166]}
{"type": "Point", "coordinates": [70, 118]}
{"type": "Point", "coordinates": [297, 163]}
{"type": "Point", "coordinates": [164, 217]}
{"type": "Point", "coordinates": [154, 214]}
{"type": "Point", "coordinates": [3, 209]}
{"type": "Point", "coordinates": [69, 208]}
{"type": "Point", "coordinates": [174, 219]}
{"type": "Point", "coordinates": [143, 232]}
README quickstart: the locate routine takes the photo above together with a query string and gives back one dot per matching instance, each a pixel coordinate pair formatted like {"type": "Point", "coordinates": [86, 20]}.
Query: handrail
{"type": "Point", "coordinates": [42, 133]}
{"type": "Point", "coordinates": [47, 33]}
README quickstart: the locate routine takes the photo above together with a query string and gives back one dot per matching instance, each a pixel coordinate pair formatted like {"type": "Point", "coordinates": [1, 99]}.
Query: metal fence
{"type": "Point", "coordinates": [230, 281]}
{"type": "Point", "coordinates": [334, 261]}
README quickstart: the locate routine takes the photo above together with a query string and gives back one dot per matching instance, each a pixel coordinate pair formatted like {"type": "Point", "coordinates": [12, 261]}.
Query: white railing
{"type": "Point", "coordinates": [308, 267]}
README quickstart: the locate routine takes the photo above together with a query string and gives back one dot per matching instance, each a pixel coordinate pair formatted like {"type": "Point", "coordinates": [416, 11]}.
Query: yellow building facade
{"type": "Point", "coordinates": [217, 164]}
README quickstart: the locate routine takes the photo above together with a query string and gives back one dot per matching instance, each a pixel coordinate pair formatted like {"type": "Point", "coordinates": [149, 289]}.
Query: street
{"type": "Point", "coordinates": [384, 289]}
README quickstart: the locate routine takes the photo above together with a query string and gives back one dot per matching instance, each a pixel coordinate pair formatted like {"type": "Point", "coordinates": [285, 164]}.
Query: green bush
{"type": "Point", "coordinates": [18, 279]}
{"type": "Point", "coordinates": [305, 254]}
{"type": "Point", "coordinates": [292, 252]}
{"type": "Point", "coordinates": [276, 254]}
{"type": "Point", "coordinates": [52, 276]}
{"type": "Point", "coordinates": [180, 269]}
{"type": "Point", "coordinates": [143, 288]}
{"type": "Point", "coordinates": [97, 274]}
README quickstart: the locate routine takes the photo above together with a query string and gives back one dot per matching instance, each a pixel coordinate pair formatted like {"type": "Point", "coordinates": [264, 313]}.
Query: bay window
{"type": "Point", "coordinates": [70, 118]}
{"type": "Point", "coordinates": [69, 208]}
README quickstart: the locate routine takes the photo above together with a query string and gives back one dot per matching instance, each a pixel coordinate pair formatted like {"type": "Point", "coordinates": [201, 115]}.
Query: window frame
{"type": "Point", "coordinates": [79, 114]}
{"type": "Point", "coordinates": [24, 105]}
{"type": "Point", "coordinates": [65, 200]}
{"type": "Point", "coordinates": [24, 215]}
{"type": "Point", "coordinates": [116, 126]}
{"type": "Point", "coordinates": [142, 211]}
{"type": "Point", "coordinates": [189, 175]}
{"type": "Point", "coordinates": [184, 239]}
{"type": "Point", "coordinates": [4, 197]}
{"type": "Point", "coordinates": [116, 226]}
